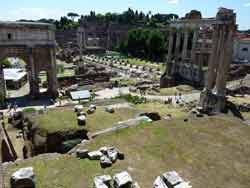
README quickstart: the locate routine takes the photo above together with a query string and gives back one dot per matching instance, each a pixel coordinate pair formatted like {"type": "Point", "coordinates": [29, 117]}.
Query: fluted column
{"type": "Point", "coordinates": [170, 46]}
{"type": "Point", "coordinates": [185, 45]}
{"type": "Point", "coordinates": [177, 45]}
{"type": "Point", "coordinates": [224, 65]}
{"type": "Point", "coordinates": [201, 57]}
{"type": "Point", "coordinates": [212, 65]}
{"type": "Point", "coordinates": [33, 79]}
{"type": "Point", "coordinates": [194, 41]}
{"type": "Point", "coordinates": [170, 66]}
{"type": "Point", "coordinates": [80, 41]}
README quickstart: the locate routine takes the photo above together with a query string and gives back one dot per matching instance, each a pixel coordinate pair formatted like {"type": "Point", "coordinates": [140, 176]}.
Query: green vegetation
{"type": "Point", "coordinates": [29, 110]}
{"type": "Point", "coordinates": [144, 43]}
{"type": "Point", "coordinates": [66, 120]}
{"type": "Point", "coordinates": [127, 17]}
{"type": "Point", "coordinates": [206, 151]}
{"type": "Point", "coordinates": [6, 63]}
{"type": "Point", "coordinates": [134, 99]}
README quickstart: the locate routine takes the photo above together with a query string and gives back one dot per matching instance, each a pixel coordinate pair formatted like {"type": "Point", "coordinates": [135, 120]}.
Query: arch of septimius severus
{"type": "Point", "coordinates": [198, 43]}
{"type": "Point", "coordinates": [35, 44]}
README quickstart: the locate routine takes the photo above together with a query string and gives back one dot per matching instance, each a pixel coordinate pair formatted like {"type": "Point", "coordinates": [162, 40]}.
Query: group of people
{"type": "Point", "coordinates": [177, 98]}
{"type": "Point", "coordinates": [12, 107]}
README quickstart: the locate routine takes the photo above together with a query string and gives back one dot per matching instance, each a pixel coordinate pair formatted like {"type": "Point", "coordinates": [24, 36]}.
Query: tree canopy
{"type": "Point", "coordinates": [144, 43]}
{"type": "Point", "coordinates": [127, 17]}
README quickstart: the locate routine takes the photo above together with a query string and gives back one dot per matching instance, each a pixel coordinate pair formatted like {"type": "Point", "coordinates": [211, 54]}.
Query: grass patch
{"type": "Point", "coordinates": [66, 120]}
{"type": "Point", "coordinates": [29, 110]}
{"type": "Point", "coordinates": [206, 151]}
{"type": "Point", "coordinates": [162, 109]}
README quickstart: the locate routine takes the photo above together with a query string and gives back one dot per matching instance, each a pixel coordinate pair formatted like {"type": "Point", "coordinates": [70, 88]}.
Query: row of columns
{"type": "Point", "coordinates": [214, 95]}
{"type": "Point", "coordinates": [220, 60]}
{"type": "Point", "coordinates": [184, 53]}
{"type": "Point", "coordinates": [178, 44]}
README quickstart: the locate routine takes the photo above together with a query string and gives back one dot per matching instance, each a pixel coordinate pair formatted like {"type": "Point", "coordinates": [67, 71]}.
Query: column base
{"type": "Point", "coordinates": [211, 103]}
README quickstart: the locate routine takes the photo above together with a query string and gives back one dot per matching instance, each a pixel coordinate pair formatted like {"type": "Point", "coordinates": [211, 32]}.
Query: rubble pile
{"type": "Point", "coordinates": [24, 177]}
{"type": "Point", "coordinates": [106, 155]}
{"type": "Point", "coordinates": [171, 180]}
{"type": "Point", "coordinates": [240, 87]}
{"type": "Point", "coordinates": [120, 180]}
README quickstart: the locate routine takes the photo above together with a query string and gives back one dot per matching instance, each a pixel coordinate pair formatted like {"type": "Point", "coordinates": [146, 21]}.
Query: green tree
{"type": "Point", "coordinates": [155, 45]}
{"type": "Point", "coordinates": [6, 63]}
{"type": "Point", "coordinates": [72, 15]}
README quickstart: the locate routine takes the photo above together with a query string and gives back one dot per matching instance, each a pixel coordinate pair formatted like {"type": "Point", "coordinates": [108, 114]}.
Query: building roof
{"type": "Point", "coordinates": [14, 74]}
{"type": "Point", "coordinates": [76, 95]}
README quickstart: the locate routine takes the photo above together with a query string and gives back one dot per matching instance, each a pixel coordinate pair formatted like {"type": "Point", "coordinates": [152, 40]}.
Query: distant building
{"type": "Point", "coordinates": [242, 49]}
{"type": "Point", "coordinates": [15, 78]}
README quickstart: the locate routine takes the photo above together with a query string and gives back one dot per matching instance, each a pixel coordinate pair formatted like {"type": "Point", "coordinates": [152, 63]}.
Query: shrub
{"type": "Point", "coordinates": [134, 99]}
{"type": "Point", "coordinates": [29, 110]}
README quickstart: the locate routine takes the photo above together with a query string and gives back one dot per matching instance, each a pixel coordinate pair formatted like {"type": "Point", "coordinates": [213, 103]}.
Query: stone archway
{"type": "Point", "coordinates": [35, 43]}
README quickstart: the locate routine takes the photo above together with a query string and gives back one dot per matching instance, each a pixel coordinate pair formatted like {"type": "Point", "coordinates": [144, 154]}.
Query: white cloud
{"type": "Point", "coordinates": [172, 1]}
{"type": "Point", "coordinates": [31, 13]}
{"type": "Point", "coordinates": [246, 4]}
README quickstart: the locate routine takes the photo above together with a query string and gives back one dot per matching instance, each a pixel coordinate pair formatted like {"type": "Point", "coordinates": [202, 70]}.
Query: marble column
{"type": "Point", "coordinates": [212, 65]}
{"type": "Point", "coordinates": [170, 46]}
{"type": "Point", "coordinates": [33, 79]}
{"type": "Point", "coordinates": [51, 76]}
{"type": "Point", "coordinates": [201, 57]}
{"type": "Point", "coordinates": [177, 45]}
{"type": "Point", "coordinates": [194, 41]}
{"type": "Point", "coordinates": [169, 66]}
{"type": "Point", "coordinates": [185, 46]}
{"type": "Point", "coordinates": [80, 41]}
{"type": "Point", "coordinates": [193, 51]}
{"type": "Point", "coordinates": [224, 65]}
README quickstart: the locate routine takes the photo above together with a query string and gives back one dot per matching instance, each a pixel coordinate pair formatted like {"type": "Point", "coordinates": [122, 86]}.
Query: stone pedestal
{"type": "Point", "coordinates": [208, 101]}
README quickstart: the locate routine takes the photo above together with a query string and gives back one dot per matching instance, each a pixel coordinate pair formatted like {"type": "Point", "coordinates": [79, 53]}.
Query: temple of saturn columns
{"type": "Point", "coordinates": [200, 50]}
{"type": "Point", "coordinates": [35, 44]}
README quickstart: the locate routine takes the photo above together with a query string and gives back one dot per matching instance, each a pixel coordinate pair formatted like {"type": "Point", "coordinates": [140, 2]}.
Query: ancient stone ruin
{"type": "Point", "coordinates": [200, 51]}
{"type": "Point", "coordinates": [35, 44]}
{"type": "Point", "coordinates": [197, 43]}
{"type": "Point", "coordinates": [213, 98]}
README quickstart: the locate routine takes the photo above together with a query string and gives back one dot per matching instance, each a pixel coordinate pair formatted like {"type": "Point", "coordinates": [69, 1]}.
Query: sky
{"type": "Point", "coordinates": [12, 10]}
